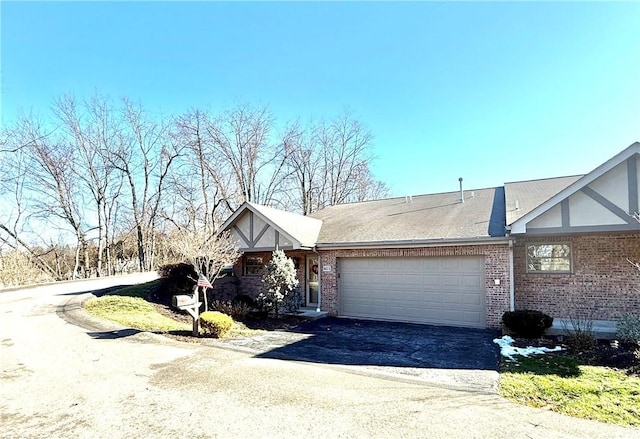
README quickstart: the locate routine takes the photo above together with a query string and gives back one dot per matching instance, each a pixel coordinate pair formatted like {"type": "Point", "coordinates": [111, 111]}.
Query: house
{"type": "Point", "coordinates": [463, 258]}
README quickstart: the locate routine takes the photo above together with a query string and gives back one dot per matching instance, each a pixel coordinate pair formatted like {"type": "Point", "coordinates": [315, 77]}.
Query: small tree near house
{"type": "Point", "coordinates": [209, 253]}
{"type": "Point", "coordinates": [279, 284]}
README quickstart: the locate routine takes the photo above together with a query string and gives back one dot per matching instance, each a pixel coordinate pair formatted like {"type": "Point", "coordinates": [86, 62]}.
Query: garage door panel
{"type": "Point", "coordinates": [431, 264]}
{"type": "Point", "coordinates": [450, 298]}
{"type": "Point", "coordinates": [472, 264]}
{"type": "Point", "coordinates": [431, 280]}
{"type": "Point", "coordinates": [472, 299]}
{"type": "Point", "coordinates": [473, 281]}
{"type": "Point", "coordinates": [437, 290]}
{"type": "Point", "coordinates": [449, 264]}
{"type": "Point", "coordinates": [398, 265]}
{"type": "Point", "coordinates": [451, 281]}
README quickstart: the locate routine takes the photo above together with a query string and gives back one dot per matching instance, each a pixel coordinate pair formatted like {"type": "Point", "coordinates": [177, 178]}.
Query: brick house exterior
{"type": "Point", "coordinates": [603, 285]}
{"type": "Point", "coordinates": [556, 245]}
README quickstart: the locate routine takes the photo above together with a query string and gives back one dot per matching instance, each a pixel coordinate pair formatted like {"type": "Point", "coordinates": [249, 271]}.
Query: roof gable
{"type": "Point", "coordinates": [258, 227]}
{"type": "Point", "coordinates": [603, 200]}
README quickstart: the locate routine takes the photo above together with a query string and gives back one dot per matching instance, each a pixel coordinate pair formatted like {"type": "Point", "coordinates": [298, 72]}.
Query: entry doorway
{"type": "Point", "coordinates": [313, 287]}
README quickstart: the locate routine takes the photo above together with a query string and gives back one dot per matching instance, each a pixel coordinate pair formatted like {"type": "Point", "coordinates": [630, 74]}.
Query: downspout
{"type": "Point", "coordinates": [512, 295]}
{"type": "Point", "coordinates": [319, 279]}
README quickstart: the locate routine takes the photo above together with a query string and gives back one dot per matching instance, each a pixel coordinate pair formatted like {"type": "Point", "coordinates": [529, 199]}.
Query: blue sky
{"type": "Point", "coordinates": [492, 92]}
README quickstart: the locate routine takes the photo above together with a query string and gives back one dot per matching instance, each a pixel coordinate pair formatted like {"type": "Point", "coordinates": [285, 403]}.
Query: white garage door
{"type": "Point", "coordinates": [436, 290]}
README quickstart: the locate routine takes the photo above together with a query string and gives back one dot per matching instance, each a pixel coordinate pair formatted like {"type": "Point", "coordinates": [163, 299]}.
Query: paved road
{"type": "Point", "coordinates": [59, 380]}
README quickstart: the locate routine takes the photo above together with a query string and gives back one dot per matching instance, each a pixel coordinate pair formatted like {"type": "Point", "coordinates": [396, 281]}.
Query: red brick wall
{"type": "Point", "coordinates": [252, 285]}
{"type": "Point", "coordinates": [496, 266]}
{"type": "Point", "coordinates": [603, 285]}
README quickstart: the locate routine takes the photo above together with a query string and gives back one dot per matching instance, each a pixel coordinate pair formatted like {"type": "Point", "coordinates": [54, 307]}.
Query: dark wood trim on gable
{"type": "Point", "coordinates": [244, 238]}
{"type": "Point", "coordinates": [608, 205]}
{"type": "Point", "coordinates": [252, 240]}
{"type": "Point", "coordinates": [251, 228]}
{"type": "Point", "coordinates": [564, 211]}
{"type": "Point", "coordinates": [632, 173]}
{"type": "Point", "coordinates": [262, 232]}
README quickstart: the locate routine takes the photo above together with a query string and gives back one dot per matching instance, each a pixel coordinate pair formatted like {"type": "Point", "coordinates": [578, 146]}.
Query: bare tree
{"type": "Point", "coordinates": [346, 146]}
{"type": "Point", "coordinates": [144, 153]}
{"type": "Point", "coordinates": [331, 163]}
{"type": "Point", "coordinates": [209, 253]}
{"type": "Point", "coordinates": [51, 180]}
{"type": "Point", "coordinates": [304, 161]}
{"type": "Point", "coordinates": [203, 183]}
{"type": "Point", "coordinates": [92, 131]}
{"type": "Point", "coordinates": [13, 177]}
{"type": "Point", "coordinates": [112, 174]}
{"type": "Point", "coordinates": [240, 138]}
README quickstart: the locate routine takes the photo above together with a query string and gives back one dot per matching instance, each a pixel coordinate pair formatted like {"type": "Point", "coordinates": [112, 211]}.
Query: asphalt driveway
{"type": "Point", "coordinates": [455, 356]}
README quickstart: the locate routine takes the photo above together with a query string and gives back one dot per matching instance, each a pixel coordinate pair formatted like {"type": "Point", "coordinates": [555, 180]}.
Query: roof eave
{"type": "Point", "coordinates": [410, 243]}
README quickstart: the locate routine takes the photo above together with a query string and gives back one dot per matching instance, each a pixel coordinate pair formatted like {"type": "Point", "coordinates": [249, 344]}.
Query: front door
{"type": "Point", "coordinates": [312, 281]}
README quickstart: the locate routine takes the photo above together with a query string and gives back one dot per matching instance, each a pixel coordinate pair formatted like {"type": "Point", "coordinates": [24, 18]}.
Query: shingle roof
{"type": "Point", "coordinates": [532, 193]}
{"type": "Point", "coordinates": [425, 217]}
{"type": "Point", "coordinates": [303, 229]}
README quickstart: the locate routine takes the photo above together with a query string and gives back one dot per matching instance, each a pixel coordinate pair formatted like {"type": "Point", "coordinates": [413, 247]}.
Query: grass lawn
{"type": "Point", "coordinates": [139, 290]}
{"type": "Point", "coordinates": [564, 385]}
{"type": "Point", "coordinates": [133, 312]}
{"type": "Point", "coordinates": [128, 307]}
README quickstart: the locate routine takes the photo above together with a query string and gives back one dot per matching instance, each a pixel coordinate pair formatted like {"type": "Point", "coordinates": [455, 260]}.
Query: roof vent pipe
{"type": "Point", "coordinates": [461, 192]}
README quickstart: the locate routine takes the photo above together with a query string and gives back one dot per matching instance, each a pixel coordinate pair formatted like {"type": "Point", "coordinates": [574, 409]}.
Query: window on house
{"type": "Point", "coordinates": [253, 266]}
{"type": "Point", "coordinates": [549, 258]}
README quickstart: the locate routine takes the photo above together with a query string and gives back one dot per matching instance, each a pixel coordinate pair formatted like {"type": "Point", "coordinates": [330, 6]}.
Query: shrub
{"type": "Point", "coordinates": [174, 279]}
{"type": "Point", "coordinates": [237, 310]}
{"type": "Point", "coordinates": [580, 341]}
{"type": "Point", "coordinates": [215, 323]}
{"type": "Point", "coordinates": [527, 323]}
{"type": "Point", "coordinates": [629, 329]}
{"type": "Point", "coordinates": [245, 299]}
{"type": "Point", "coordinates": [579, 332]}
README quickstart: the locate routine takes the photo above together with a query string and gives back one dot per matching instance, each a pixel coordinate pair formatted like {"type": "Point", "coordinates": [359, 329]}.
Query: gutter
{"type": "Point", "coordinates": [409, 243]}
{"type": "Point", "coordinates": [319, 279]}
{"type": "Point", "coordinates": [512, 294]}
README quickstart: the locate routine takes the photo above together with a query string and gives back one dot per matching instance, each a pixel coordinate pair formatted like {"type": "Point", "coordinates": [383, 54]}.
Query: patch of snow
{"type": "Point", "coordinates": [507, 350]}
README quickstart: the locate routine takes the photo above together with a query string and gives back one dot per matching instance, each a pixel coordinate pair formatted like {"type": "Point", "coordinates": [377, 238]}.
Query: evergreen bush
{"type": "Point", "coordinates": [527, 323]}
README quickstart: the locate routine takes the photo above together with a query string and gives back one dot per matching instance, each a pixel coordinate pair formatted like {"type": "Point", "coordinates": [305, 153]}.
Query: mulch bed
{"type": "Point", "coordinates": [620, 356]}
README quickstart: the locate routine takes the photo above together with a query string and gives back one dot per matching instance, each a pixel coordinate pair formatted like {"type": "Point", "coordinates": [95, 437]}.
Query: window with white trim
{"type": "Point", "coordinates": [549, 258]}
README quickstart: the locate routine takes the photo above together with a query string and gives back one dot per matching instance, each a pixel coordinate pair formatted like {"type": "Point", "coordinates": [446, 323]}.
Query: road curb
{"type": "Point", "coordinates": [72, 311]}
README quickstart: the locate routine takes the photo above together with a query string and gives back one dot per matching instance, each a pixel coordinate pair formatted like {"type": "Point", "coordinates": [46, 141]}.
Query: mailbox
{"type": "Point", "coordinates": [184, 301]}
